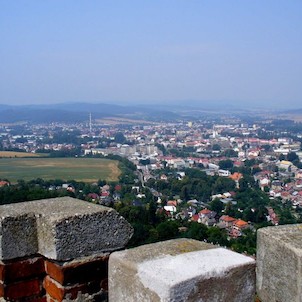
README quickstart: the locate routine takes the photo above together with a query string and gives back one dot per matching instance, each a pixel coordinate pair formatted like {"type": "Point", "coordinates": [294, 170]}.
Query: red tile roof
{"type": "Point", "coordinates": [205, 211]}
{"type": "Point", "coordinates": [241, 223]}
{"type": "Point", "coordinates": [195, 218]}
{"type": "Point", "coordinates": [227, 218]}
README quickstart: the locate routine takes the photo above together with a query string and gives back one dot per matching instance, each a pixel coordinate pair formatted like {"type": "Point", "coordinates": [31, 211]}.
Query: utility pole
{"type": "Point", "coordinates": [90, 124]}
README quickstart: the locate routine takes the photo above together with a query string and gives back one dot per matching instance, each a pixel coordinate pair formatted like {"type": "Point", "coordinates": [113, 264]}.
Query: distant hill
{"type": "Point", "coordinates": [293, 111]}
{"type": "Point", "coordinates": [78, 112]}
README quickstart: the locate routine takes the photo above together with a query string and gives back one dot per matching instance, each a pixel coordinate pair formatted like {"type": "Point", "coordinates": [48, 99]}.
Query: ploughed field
{"type": "Point", "coordinates": [79, 169]}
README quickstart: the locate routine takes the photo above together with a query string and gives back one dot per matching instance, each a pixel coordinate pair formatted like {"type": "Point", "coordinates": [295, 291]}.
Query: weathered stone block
{"type": "Point", "coordinates": [279, 263]}
{"type": "Point", "coordinates": [61, 229]}
{"type": "Point", "coordinates": [18, 234]}
{"type": "Point", "coordinates": [75, 228]}
{"type": "Point", "coordinates": [181, 270]}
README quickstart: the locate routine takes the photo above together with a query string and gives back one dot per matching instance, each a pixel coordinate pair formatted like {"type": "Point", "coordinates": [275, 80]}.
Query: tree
{"type": "Point", "coordinates": [184, 193]}
{"type": "Point", "coordinates": [286, 217]}
{"type": "Point", "coordinates": [231, 210]}
{"type": "Point", "coordinates": [281, 157]}
{"type": "Point", "coordinates": [266, 147]}
{"type": "Point", "coordinates": [217, 236]}
{"type": "Point", "coordinates": [217, 206]}
{"type": "Point", "coordinates": [216, 147]}
{"type": "Point", "coordinates": [230, 153]}
{"type": "Point", "coordinates": [195, 173]}
{"type": "Point", "coordinates": [119, 138]}
{"type": "Point", "coordinates": [243, 184]}
{"type": "Point", "coordinates": [226, 164]}
{"type": "Point", "coordinates": [196, 231]}
{"type": "Point", "coordinates": [292, 156]}
{"type": "Point", "coordinates": [223, 184]}
{"type": "Point", "coordinates": [152, 212]}
{"type": "Point", "coordinates": [140, 234]}
{"type": "Point", "coordinates": [167, 230]}
{"type": "Point", "coordinates": [144, 162]}
{"type": "Point", "coordinates": [161, 148]}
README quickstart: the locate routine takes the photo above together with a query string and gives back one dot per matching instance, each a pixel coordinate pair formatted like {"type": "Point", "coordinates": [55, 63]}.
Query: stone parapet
{"type": "Point", "coordinates": [279, 263]}
{"type": "Point", "coordinates": [60, 229]}
{"type": "Point", "coordinates": [57, 250]}
{"type": "Point", "coordinates": [181, 270]}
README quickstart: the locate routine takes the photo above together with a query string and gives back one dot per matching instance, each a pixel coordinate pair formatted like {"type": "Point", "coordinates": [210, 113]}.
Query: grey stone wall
{"type": "Point", "coordinates": [279, 263]}
{"type": "Point", "coordinates": [61, 229]}
{"type": "Point", "coordinates": [181, 270]}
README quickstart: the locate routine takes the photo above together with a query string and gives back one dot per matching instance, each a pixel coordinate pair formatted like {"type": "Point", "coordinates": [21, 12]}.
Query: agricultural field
{"type": "Point", "coordinates": [79, 169]}
{"type": "Point", "coordinates": [21, 154]}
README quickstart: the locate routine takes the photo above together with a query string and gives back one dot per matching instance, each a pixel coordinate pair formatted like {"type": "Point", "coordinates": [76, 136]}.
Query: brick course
{"type": "Point", "coordinates": [26, 288]}
{"type": "Point", "coordinates": [20, 269]}
{"type": "Point", "coordinates": [23, 278]}
{"type": "Point", "coordinates": [78, 271]}
{"type": "Point", "coordinates": [58, 292]}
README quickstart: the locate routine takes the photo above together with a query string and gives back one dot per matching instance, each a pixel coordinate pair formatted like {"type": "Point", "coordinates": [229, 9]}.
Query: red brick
{"type": "Point", "coordinates": [21, 269]}
{"type": "Point", "coordinates": [2, 265]}
{"type": "Point", "coordinates": [78, 271]}
{"type": "Point", "coordinates": [37, 299]}
{"type": "Point", "coordinates": [58, 292]}
{"type": "Point", "coordinates": [21, 289]}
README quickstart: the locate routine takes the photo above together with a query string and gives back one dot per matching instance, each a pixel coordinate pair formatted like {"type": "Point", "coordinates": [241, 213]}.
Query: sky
{"type": "Point", "coordinates": [159, 51]}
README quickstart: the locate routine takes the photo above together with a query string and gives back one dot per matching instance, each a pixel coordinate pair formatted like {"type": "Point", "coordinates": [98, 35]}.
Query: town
{"type": "Point", "coordinates": [216, 180]}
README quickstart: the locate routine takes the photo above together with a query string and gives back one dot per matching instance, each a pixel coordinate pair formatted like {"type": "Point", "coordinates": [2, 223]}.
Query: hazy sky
{"type": "Point", "coordinates": [143, 51]}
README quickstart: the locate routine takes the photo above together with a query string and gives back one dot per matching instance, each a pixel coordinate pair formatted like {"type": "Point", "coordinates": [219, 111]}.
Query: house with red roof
{"type": "Point", "coordinates": [195, 218]}
{"type": "Point", "coordinates": [226, 221]}
{"type": "Point", "coordinates": [237, 228]}
{"type": "Point", "coordinates": [240, 224]}
{"type": "Point", "coordinates": [172, 203]}
{"type": "Point", "coordinates": [272, 216]}
{"type": "Point", "coordinates": [236, 177]}
{"type": "Point", "coordinates": [3, 183]}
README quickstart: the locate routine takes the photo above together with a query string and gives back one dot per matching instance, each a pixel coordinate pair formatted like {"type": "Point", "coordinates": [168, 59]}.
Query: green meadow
{"type": "Point", "coordinates": [79, 169]}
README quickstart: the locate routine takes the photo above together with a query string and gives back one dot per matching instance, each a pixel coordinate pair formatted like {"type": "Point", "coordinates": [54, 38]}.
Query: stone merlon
{"type": "Point", "coordinates": [183, 270]}
{"type": "Point", "coordinates": [60, 229]}
{"type": "Point", "coordinates": [279, 263]}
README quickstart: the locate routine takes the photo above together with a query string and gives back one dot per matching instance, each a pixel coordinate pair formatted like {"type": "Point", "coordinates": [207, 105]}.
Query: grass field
{"type": "Point", "coordinates": [21, 154]}
{"type": "Point", "coordinates": [79, 169]}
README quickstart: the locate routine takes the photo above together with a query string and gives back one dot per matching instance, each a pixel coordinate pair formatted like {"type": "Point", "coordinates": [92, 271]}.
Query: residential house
{"type": "Point", "coordinates": [93, 196]}
{"type": "Point", "coordinates": [3, 183]}
{"type": "Point", "coordinates": [236, 177]}
{"type": "Point", "coordinates": [195, 218]}
{"type": "Point", "coordinates": [226, 221]}
{"type": "Point", "coordinates": [272, 216]}
{"type": "Point", "coordinates": [298, 174]}
{"type": "Point", "coordinates": [172, 203]}
{"type": "Point", "coordinates": [237, 228]}
{"type": "Point", "coordinates": [163, 177]}
{"type": "Point", "coordinates": [170, 209]}
{"type": "Point", "coordinates": [285, 165]}
{"type": "Point", "coordinates": [207, 217]}
{"type": "Point", "coordinates": [224, 173]}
